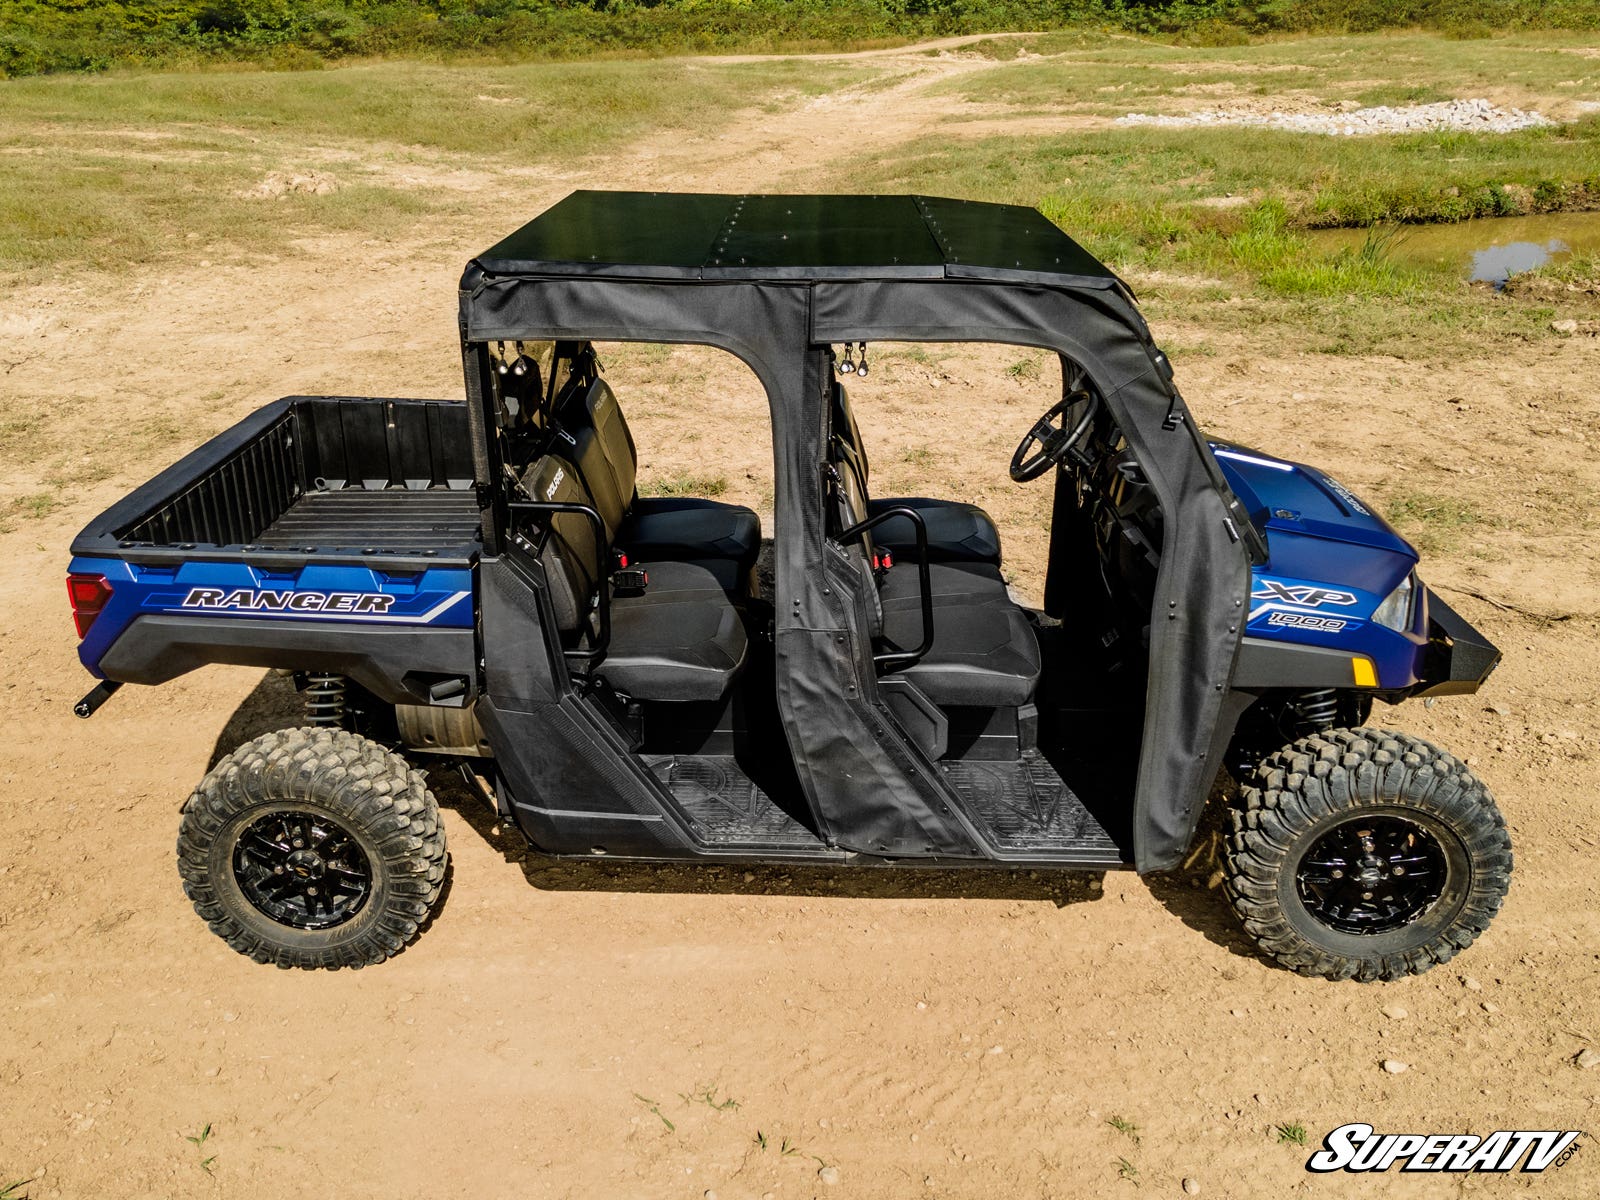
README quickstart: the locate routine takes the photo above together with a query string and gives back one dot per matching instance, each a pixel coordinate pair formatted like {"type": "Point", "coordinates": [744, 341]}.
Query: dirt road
{"type": "Point", "coordinates": [593, 1031]}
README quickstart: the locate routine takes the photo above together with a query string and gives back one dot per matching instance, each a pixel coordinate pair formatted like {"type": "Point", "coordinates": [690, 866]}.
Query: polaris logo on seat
{"type": "Point", "coordinates": [550, 492]}
{"type": "Point", "coordinates": [254, 600]}
{"type": "Point", "coordinates": [1356, 1147]}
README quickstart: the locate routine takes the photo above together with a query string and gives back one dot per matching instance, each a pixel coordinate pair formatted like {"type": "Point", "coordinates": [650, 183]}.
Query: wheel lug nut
{"type": "Point", "coordinates": [311, 891]}
{"type": "Point", "coordinates": [1366, 895]}
{"type": "Point", "coordinates": [299, 845]}
{"type": "Point", "coordinates": [1399, 870]}
{"type": "Point", "coordinates": [277, 870]}
{"type": "Point", "coordinates": [1338, 874]}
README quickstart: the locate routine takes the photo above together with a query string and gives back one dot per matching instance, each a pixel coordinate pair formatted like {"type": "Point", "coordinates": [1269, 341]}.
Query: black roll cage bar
{"type": "Point", "coordinates": [903, 658]}
{"type": "Point", "coordinates": [588, 659]}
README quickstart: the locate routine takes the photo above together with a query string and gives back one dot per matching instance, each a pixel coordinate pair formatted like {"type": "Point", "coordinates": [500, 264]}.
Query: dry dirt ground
{"type": "Point", "coordinates": [576, 1030]}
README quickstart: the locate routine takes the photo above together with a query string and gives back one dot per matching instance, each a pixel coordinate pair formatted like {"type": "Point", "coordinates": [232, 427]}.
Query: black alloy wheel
{"type": "Point", "coordinates": [1372, 874]}
{"type": "Point", "coordinates": [302, 869]}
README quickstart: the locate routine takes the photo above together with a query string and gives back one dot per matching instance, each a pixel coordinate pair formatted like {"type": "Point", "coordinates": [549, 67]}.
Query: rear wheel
{"type": "Point", "coordinates": [312, 848]}
{"type": "Point", "coordinates": [1365, 854]}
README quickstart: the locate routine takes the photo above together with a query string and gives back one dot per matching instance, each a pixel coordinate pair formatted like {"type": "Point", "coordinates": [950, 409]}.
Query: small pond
{"type": "Point", "coordinates": [1490, 250]}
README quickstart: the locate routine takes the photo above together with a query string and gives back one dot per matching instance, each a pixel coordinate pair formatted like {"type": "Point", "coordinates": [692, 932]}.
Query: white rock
{"type": "Point", "coordinates": [829, 1175]}
{"type": "Point", "coordinates": [1395, 1067]}
{"type": "Point", "coordinates": [1191, 1186]}
{"type": "Point", "coordinates": [1394, 1012]}
{"type": "Point", "coordinates": [1471, 984]}
{"type": "Point", "coordinates": [1586, 1060]}
{"type": "Point", "coordinates": [1478, 116]}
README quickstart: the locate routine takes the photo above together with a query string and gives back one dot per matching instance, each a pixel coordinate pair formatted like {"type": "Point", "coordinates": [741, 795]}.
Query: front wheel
{"type": "Point", "coordinates": [1365, 854]}
{"type": "Point", "coordinates": [312, 848]}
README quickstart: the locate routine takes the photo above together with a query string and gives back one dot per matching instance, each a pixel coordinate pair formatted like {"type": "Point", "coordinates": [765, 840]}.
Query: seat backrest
{"type": "Point", "coordinates": [616, 439]}
{"type": "Point", "coordinates": [589, 428]}
{"type": "Point", "coordinates": [848, 505]}
{"type": "Point", "coordinates": [843, 426]}
{"type": "Point", "coordinates": [572, 558]}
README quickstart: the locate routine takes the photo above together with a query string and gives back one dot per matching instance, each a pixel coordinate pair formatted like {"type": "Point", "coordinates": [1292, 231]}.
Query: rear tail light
{"type": "Point", "coordinates": [88, 594]}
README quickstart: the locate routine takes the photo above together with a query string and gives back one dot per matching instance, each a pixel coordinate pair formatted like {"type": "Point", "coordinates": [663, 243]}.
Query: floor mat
{"type": "Point", "coordinates": [1024, 806]}
{"type": "Point", "coordinates": [726, 805]}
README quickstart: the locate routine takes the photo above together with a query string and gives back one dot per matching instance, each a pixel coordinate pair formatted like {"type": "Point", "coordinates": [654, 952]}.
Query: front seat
{"type": "Point", "coordinates": [679, 638]}
{"type": "Point", "coordinates": [956, 531]}
{"type": "Point", "coordinates": [984, 652]}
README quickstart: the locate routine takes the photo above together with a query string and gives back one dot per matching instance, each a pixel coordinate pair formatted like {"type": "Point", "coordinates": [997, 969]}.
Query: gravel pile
{"type": "Point", "coordinates": [1473, 116]}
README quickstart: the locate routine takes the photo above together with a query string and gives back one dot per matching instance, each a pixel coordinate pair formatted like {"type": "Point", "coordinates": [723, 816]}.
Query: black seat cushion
{"type": "Point", "coordinates": [685, 527]}
{"type": "Point", "coordinates": [984, 650]}
{"type": "Point", "coordinates": [591, 430]}
{"type": "Point", "coordinates": [679, 639]}
{"type": "Point", "coordinates": [957, 532]}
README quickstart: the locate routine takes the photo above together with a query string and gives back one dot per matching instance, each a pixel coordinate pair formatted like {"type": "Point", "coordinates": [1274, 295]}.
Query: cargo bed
{"type": "Point", "coordinates": [386, 482]}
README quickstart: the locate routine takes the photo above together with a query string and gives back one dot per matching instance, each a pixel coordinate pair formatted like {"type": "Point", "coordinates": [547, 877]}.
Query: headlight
{"type": "Point", "coordinates": [1395, 612]}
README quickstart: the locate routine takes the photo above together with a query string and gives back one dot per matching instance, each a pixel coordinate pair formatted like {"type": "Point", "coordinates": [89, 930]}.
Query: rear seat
{"type": "Point", "coordinates": [984, 652]}
{"type": "Point", "coordinates": [957, 532]}
{"type": "Point", "coordinates": [681, 638]}
{"type": "Point", "coordinates": [590, 421]}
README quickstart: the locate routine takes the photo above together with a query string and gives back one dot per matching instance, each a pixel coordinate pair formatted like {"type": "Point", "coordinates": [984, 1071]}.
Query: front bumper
{"type": "Point", "coordinates": [1457, 658]}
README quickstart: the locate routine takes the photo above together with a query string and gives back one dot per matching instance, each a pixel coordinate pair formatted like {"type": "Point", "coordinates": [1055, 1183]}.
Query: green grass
{"type": "Point", "coordinates": [33, 507]}
{"type": "Point", "coordinates": [1113, 76]}
{"type": "Point", "coordinates": [1432, 521]}
{"type": "Point", "coordinates": [654, 1106]}
{"type": "Point", "coordinates": [1222, 214]}
{"type": "Point", "coordinates": [119, 170]}
{"type": "Point", "coordinates": [685, 485]}
{"type": "Point", "coordinates": [1293, 1133]}
{"type": "Point", "coordinates": [1125, 1127]}
{"type": "Point", "coordinates": [708, 1097]}
{"type": "Point", "coordinates": [13, 1190]}
{"type": "Point", "coordinates": [198, 1141]}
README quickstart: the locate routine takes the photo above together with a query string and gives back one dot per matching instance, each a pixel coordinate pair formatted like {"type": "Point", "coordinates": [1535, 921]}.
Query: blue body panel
{"type": "Point", "coordinates": [1331, 562]}
{"type": "Point", "coordinates": [321, 592]}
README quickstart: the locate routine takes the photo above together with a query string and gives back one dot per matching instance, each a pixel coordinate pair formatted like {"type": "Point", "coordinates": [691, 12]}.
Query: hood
{"type": "Point", "coordinates": [1319, 535]}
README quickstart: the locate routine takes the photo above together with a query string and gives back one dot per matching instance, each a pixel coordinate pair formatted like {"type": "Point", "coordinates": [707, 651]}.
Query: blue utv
{"type": "Point", "coordinates": [482, 585]}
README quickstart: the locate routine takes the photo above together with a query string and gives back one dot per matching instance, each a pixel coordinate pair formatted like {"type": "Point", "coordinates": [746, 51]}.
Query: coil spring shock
{"type": "Point", "coordinates": [1316, 711]}
{"type": "Point", "coordinates": [324, 700]}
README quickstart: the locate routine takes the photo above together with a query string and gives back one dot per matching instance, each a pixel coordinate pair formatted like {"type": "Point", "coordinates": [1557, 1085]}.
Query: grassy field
{"type": "Point", "coordinates": [117, 170]}
{"type": "Point", "coordinates": [121, 169]}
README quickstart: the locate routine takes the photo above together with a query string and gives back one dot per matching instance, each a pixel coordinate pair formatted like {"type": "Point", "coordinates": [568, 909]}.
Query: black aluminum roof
{"type": "Point", "coordinates": [674, 235]}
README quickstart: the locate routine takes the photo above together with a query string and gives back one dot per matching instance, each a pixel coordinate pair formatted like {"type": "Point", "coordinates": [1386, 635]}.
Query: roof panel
{"type": "Point", "coordinates": [629, 229]}
{"type": "Point", "coordinates": [700, 236]}
{"type": "Point", "coordinates": [1004, 236]}
{"type": "Point", "coordinates": [822, 232]}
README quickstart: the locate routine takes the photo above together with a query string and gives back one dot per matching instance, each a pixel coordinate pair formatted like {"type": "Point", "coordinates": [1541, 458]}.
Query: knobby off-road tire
{"type": "Point", "coordinates": [351, 819]}
{"type": "Point", "coordinates": [1315, 800]}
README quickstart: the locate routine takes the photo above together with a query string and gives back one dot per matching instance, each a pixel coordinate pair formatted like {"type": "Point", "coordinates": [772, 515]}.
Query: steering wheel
{"type": "Point", "coordinates": [1052, 437]}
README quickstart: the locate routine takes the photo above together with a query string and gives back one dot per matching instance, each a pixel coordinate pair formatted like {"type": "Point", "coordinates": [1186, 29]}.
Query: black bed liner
{"type": "Point", "coordinates": [360, 522]}
{"type": "Point", "coordinates": [384, 481]}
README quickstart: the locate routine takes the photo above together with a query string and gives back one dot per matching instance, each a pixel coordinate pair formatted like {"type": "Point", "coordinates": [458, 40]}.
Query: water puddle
{"type": "Point", "coordinates": [1490, 250]}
